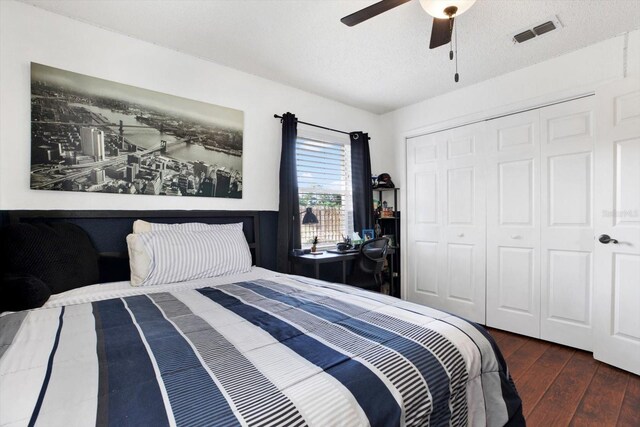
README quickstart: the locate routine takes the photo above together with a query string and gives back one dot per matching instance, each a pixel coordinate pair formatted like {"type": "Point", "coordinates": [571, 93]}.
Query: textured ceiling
{"type": "Point", "coordinates": [380, 65]}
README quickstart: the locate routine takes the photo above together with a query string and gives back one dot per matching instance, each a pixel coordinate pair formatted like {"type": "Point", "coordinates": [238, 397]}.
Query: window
{"type": "Point", "coordinates": [324, 186]}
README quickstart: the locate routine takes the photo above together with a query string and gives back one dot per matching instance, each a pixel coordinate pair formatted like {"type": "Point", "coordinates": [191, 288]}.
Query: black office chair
{"type": "Point", "coordinates": [369, 264]}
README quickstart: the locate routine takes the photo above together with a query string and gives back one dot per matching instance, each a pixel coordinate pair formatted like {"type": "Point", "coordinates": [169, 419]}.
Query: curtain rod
{"type": "Point", "coordinates": [316, 126]}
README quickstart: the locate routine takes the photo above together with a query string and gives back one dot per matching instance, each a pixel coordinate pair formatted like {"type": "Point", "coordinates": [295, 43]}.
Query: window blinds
{"type": "Point", "coordinates": [324, 183]}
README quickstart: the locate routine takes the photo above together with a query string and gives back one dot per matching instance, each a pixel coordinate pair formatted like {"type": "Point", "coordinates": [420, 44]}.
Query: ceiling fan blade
{"type": "Point", "coordinates": [440, 32]}
{"type": "Point", "coordinates": [371, 11]}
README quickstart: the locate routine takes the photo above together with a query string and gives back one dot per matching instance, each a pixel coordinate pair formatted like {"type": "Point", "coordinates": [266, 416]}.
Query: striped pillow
{"type": "Point", "coordinates": [140, 226]}
{"type": "Point", "coordinates": [170, 256]}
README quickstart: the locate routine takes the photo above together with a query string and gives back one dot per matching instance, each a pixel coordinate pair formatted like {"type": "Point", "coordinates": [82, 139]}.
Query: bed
{"type": "Point", "coordinates": [255, 348]}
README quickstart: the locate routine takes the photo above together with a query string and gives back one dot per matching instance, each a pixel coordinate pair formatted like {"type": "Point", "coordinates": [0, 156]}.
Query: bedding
{"type": "Point", "coordinates": [258, 348]}
{"type": "Point", "coordinates": [141, 226]}
{"type": "Point", "coordinates": [175, 255]}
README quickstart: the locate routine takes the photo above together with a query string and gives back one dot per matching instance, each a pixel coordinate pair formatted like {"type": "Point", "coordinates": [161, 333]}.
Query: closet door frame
{"type": "Point", "coordinates": [498, 113]}
{"type": "Point", "coordinates": [490, 113]}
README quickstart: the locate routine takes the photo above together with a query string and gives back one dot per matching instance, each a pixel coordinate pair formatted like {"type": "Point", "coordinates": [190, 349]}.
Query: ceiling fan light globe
{"type": "Point", "coordinates": [436, 8]}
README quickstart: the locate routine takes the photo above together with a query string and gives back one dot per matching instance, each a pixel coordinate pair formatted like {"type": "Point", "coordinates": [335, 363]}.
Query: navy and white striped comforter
{"type": "Point", "coordinates": [282, 351]}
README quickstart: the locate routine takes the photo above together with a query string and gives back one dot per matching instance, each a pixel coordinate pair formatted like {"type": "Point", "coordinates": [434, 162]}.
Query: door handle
{"type": "Point", "coordinates": [604, 238]}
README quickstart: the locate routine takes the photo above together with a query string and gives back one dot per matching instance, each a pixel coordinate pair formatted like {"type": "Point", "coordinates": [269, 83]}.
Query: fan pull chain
{"type": "Point", "coordinates": [456, 77]}
{"type": "Point", "coordinates": [451, 38]}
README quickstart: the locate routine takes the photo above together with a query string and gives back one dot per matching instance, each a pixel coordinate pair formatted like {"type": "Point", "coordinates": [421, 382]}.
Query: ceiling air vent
{"type": "Point", "coordinates": [524, 36]}
{"type": "Point", "coordinates": [549, 24]}
{"type": "Point", "coordinates": [544, 28]}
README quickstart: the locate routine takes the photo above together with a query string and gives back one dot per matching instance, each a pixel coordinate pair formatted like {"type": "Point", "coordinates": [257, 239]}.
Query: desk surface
{"type": "Point", "coordinates": [323, 258]}
{"type": "Point", "coordinates": [329, 257]}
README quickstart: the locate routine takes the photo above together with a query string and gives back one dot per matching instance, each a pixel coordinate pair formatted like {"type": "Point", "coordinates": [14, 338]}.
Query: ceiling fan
{"type": "Point", "coordinates": [443, 11]}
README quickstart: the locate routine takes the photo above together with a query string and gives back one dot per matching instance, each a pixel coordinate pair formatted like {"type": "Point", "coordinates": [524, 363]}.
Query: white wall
{"type": "Point", "coordinates": [29, 34]}
{"type": "Point", "coordinates": [568, 75]}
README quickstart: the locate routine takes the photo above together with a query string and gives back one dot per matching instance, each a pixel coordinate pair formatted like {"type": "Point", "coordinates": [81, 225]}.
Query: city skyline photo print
{"type": "Point", "coordinates": [95, 135]}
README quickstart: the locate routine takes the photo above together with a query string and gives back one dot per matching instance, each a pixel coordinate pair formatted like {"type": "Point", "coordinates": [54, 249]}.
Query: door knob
{"type": "Point", "coordinates": [604, 238]}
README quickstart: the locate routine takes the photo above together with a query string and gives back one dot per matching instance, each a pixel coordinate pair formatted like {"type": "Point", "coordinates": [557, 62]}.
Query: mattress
{"type": "Point", "coordinates": [258, 349]}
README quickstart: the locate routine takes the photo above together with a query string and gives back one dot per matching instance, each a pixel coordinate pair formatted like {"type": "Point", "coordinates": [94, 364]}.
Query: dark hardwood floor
{"type": "Point", "coordinates": [562, 386]}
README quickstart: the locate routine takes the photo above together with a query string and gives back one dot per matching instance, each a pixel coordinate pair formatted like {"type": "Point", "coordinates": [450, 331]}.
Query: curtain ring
{"type": "Point", "coordinates": [356, 135]}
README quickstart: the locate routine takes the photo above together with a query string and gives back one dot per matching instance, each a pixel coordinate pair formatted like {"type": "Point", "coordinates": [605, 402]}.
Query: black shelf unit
{"type": "Point", "coordinates": [391, 225]}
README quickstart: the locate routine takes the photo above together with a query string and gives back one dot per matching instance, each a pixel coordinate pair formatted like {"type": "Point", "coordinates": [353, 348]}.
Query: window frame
{"type": "Point", "coordinates": [333, 138]}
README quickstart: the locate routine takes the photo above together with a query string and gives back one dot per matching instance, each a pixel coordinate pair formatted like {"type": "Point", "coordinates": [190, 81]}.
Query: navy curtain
{"type": "Point", "coordinates": [361, 182]}
{"type": "Point", "coordinates": [289, 212]}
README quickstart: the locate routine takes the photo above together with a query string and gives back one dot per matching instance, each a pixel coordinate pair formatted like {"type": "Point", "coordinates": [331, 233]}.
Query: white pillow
{"type": "Point", "coordinates": [140, 226]}
{"type": "Point", "coordinates": [170, 256]}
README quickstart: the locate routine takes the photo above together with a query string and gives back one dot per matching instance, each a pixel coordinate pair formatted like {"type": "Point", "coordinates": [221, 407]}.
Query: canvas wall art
{"type": "Point", "coordinates": [95, 135]}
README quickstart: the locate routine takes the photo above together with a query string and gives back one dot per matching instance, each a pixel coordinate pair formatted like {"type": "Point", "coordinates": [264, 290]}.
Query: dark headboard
{"type": "Point", "coordinates": [108, 229]}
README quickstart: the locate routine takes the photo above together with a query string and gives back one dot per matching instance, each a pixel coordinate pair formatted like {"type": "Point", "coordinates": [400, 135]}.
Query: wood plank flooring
{"type": "Point", "coordinates": [562, 386]}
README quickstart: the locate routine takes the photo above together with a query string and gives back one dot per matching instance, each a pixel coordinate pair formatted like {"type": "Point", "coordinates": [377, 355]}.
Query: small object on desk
{"type": "Point", "coordinates": [343, 246]}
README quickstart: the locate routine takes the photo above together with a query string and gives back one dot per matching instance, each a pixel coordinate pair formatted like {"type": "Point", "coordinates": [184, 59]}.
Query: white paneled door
{"type": "Point", "coordinates": [617, 232]}
{"type": "Point", "coordinates": [446, 221]}
{"type": "Point", "coordinates": [540, 222]}
{"type": "Point", "coordinates": [567, 139]}
{"type": "Point", "coordinates": [545, 202]}
{"type": "Point", "coordinates": [513, 223]}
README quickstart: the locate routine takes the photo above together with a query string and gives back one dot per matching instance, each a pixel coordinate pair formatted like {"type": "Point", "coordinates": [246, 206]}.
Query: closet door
{"type": "Point", "coordinates": [566, 244]}
{"type": "Point", "coordinates": [617, 265]}
{"type": "Point", "coordinates": [513, 226]}
{"type": "Point", "coordinates": [446, 221]}
{"type": "Point", "coordinates": [424, 221]}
